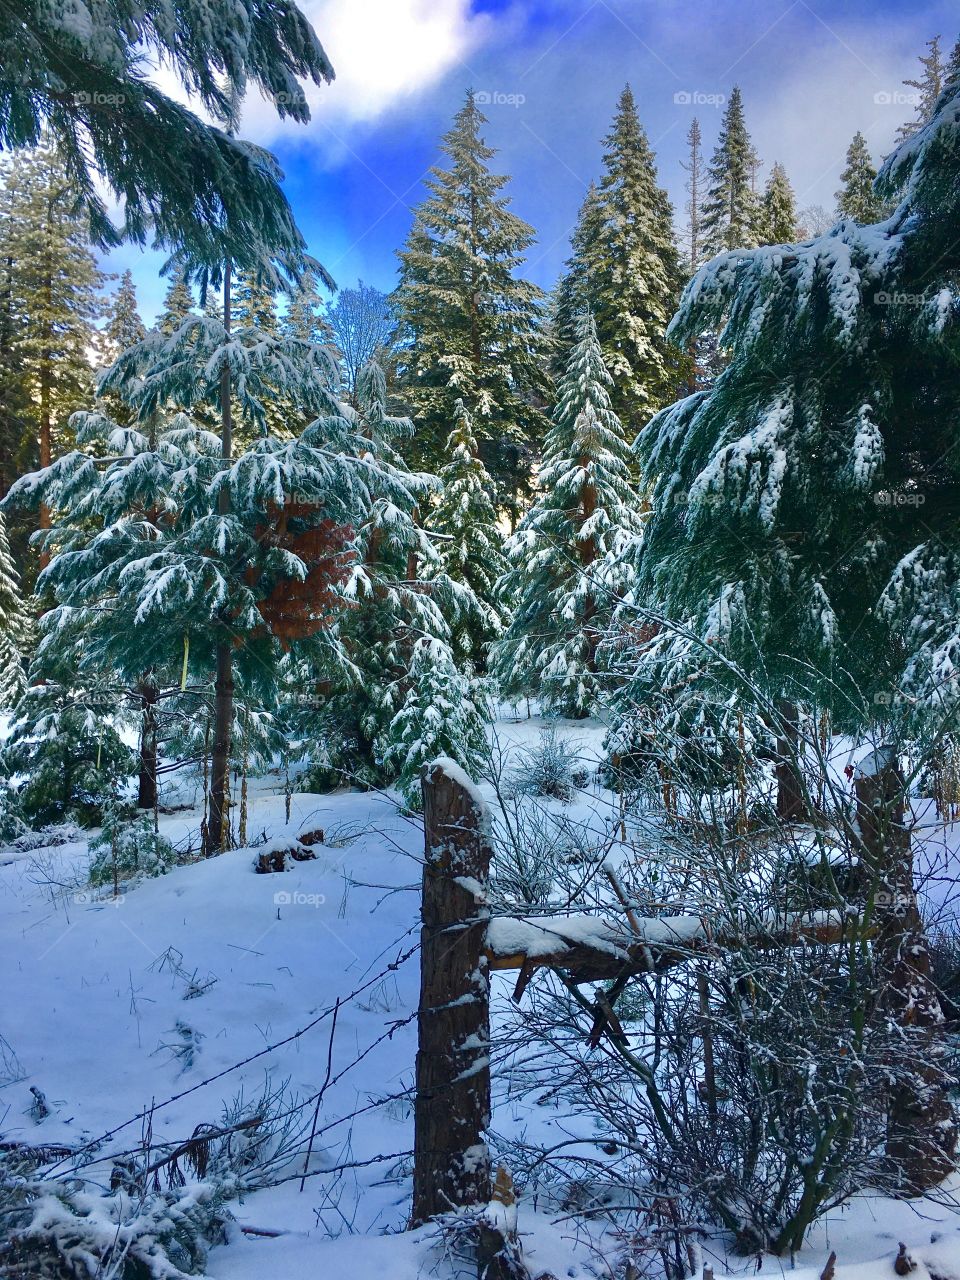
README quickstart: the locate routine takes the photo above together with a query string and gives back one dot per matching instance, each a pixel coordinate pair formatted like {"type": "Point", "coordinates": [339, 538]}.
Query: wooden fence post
{"type": "Point", "coordinates": [452, 1111]}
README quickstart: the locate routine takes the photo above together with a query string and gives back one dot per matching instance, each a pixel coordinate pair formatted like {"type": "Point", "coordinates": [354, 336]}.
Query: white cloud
{"type": "Point", "coordinates": [383, 52]}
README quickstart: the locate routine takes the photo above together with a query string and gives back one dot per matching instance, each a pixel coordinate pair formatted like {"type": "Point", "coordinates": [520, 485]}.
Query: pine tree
{"type": "Point", "coordinates": [470, 550]}
{"type": "Point", "coordinates": [178, 302]}
{"type": "Point", "coordinates": [626, 270]}
{"type": "Point", "coordinates": [124, 326]}
{"type": "Point", "coordinates": [857, 198]}
{"type": "Point", "coordinates": [14, 627]}
{"type": "Point", "coordinates": [694, 166]}
{"type": "Point", "coordinates": [561, 554]}
{"type": "Point", "coordinates": [303, 318]}
{"type": "Point", "coordinates": [54, 284]}
{"type": "Point", "coordinates": [928, 86]}
{"type": "Point", "coordinates": [778, 212]}
{"type": "Point", "coordinates": [572, 291]}
{"type": "Point", "coordinates": [471, 329]}
{"type": "Point", "coordinates": [443, 713]}
{"type": "Point", "coordinates": [729, 218]}
{"type": "Point", "coordinates": [254, 303]}
{"type": "Point", "coordinates": [184, 182]}
{"type": "Point", "coordinates": [806, 524]}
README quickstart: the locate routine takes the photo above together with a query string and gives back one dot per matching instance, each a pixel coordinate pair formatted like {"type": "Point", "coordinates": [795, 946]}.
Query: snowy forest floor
{"type": "Point", "coordinates": [113, 1007]}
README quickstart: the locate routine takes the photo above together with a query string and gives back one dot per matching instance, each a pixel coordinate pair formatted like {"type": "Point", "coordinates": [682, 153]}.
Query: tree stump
{"type": "Point", "coordinates": [452, 1113]}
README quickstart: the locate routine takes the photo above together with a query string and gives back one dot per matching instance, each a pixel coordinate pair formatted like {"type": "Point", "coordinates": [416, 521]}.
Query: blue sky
{"type": "Point", "coordinates": [811, 74]}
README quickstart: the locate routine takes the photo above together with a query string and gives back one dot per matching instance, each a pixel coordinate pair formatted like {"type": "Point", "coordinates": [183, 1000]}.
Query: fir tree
{"type": "Point", "coordinates": [124, 326]}
{"type": "Point", "coordinates": [572, 292]}
{"type": "Point", "coordinates": [730, 215]}
{"type": "Point", "coordinates": [626, 270]}
{"type": "Point", "coordinates": [470, 329]}
{"type": "Point", "coordinates": [54, 301]}
{"type": "Point", "coordinates": [778, 212]}
{"type": "Point", "coordinates": [561, 554]}
{"type": "Point", "coordinates": [857, 198]}
{"type": "Point", "coordinates": [303, 318]}
{"type": "Point", "coordinates": [254, 303]}
{"type": "Point", "coordinates": [928, 86]}
{"type": "Point", "coordinates": [694, 166]}
{"type": "Point", "coordinates": [470, 549]}
{"type": "Point", "coordinates": [443, 713]}
{"type": "Point", "coordinates": [178, 302]}
{"type": "Point", "coordinates": [183, 183]}
{"type": "Point", "coordinates": [806, 523]}
{"type": "Point", "coordinates": [14, 626]}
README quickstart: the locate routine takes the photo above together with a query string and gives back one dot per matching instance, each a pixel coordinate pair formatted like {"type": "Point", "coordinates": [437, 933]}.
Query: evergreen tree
{"type": "Point", "coordinates": [694, 166]}
{"type": "Point", "coordinates": [399, 594]}
{"type": "Point", "coordinates": [561, 554]}
{"type": "Point", "coordinates": [184, 182]}
{"type": "Point", "coordinates": [443, 713]}
{"type": "Point", "coordinates": [303, 318]}
{"type": "Point", "coordinates": [14, 626]}
{"type": "Point", "coordinates": [928, 86]}
{"type": "Point", "coordinates": [778, 213]}
{"type": "Point", "coordinates": [572, 291]}
{"type": "Point", "coordinates": [178, 302]}
{"type": "Point", "coordinates": [470, 549]}
{"type": "Point", "coordinates": [857, 198]}
{"type": "Point", "coordinates": [730, 216]}
{"type": "Point", "coordinates": [53, 301]}
{"type": "Point", "coordinates": [625, 270]}
{"type": "Point", "coordinates": [124, 326]}
{"type": "Point", "coordinates": [806, 522]}
{"type": "Point", "coordinates": [254, 303]}
{"type": "Point", "coordinates": [470, 329]}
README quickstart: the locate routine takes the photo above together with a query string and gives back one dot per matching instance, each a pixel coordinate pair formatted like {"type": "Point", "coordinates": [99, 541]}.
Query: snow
{"type": "Point", "coordinates": [95, 987]}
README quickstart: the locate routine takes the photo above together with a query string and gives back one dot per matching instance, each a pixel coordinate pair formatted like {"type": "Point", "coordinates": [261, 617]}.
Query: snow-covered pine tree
{"type": "Point", "coordinates": [183, 182]}
{"type": "Point", "coordinates": [778, 209]}
{"type": "Point", "coordinates": [124, 326]}
{"type": "Point", "coordinates": [178, 301]}
{"type": "Point", "coordinates": [303, 317]}
{"type": "Point", "coordinates": [399, 594]}
{"type": "Point", "coordinates": [730, 214]}
{"type": "Point", "coordinates": [806, 522]}
{"type": "Point", "coordinates": [694, 166]}
{"type": "Point", "coordinates": [54, 283]}
{"type": "Point", "coordinates": [443, 713]}
{"type": "Point", "coordinates": [14, 626]}
{"type": "Point", "coordinates": [254, 303]}
{"type": "Point", "coordinates": [572, 289]}
{"type": "Point", "coordinates": [188, 573]}
{"type": "Point", "coordinates": [470, 328]}
{"type": "Point", "coordinates": [563, 576]}
{"type": "Point", "coordinates": [927, 87]}
{"type": "Point", "coordinates": [625, 270]}
{"type": "Point", "coordinates": [857, 197]}
{"type": "Point", "coordinates": [470, 547]}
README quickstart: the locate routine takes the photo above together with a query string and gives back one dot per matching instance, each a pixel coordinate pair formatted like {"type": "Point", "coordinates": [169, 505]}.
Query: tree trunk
{"type": "Point", "coordinates": [147, 781]}
{"type": "Point", "coordinates": [790, 805]}
{"type": "Point", "coordinates": [218, 832]}
{"type": "Point", "coordinates": [451, 1160]}
{"type": "Point", "coordinates": [922, 1130]}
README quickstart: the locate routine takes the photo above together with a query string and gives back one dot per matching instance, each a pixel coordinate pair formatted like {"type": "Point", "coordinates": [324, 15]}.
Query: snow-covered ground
{"type": "Point", "coordinates": [126, 1012]}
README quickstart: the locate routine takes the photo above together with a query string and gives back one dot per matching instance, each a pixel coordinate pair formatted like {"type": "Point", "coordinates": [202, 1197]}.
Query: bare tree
{"type": "Point", "coordinates": [363, 326]}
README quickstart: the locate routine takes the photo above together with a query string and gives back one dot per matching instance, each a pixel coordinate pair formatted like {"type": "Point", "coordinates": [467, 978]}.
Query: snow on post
{"type": "Point", "coordinates": [452, 1111]}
